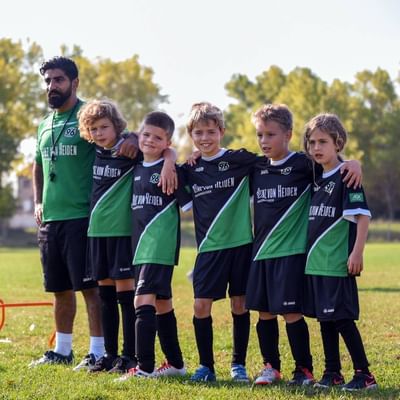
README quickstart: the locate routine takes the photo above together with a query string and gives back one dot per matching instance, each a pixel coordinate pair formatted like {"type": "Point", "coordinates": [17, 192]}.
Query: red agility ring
{"type": "Point", "coordinates": [3, 313]}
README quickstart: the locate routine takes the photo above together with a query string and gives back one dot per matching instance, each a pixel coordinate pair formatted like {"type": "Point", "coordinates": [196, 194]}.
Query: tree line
{"type": "Point", "coordinates": [369, 108]}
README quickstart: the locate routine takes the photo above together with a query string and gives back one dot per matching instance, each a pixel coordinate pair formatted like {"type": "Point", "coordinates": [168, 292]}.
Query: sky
{"type": "Point", "coordinates": [194, 47]}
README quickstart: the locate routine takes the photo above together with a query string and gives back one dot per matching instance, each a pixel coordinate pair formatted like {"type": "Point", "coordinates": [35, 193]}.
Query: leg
{"type": "Point", "coordinates": [93, 308]}
{"type": "Point", "coordinates": [145, 331]}
{"type": "Point", "coordinates": [330, 342]}
{"type": "Point", "coordinates": [268, 338]}
{"type": "Point", "coordinates": [241, 329]}
{"type": "Point", "coordinates": [168, 333]}
{"type": "Point", "coordinates": [202, 322]}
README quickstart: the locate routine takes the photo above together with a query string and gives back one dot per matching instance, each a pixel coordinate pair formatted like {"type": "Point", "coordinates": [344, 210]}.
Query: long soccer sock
{"type": "Point", "coordinates": [299, 340]}
{"type": "Point", "coordinates": [330, 341]}
{"type": "Point", "coordinates": [96, 346]}
{"type": "Point", "coordinates": [145, 337]}
{"type": "Point", "coordinates": [125, 300]}
{"type": "Point", "coordinates": [109, 318]}
{"type": "Point", "coordinates": [204, 339]}
{"type": "Point", "coordinates": [241, 333]}
{"type": "Point", "coordinates": [168, 336]}
{"type": "Point", "coordinates": [268, 339]}
{"type": "Point", "coordinates": [63, 343]}
{"type": "Point", "coordinates": [352, 338]}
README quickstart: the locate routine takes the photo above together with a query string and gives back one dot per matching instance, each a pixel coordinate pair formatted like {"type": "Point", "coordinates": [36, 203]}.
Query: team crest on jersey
{"type": "Point", "coordinates": [356, 197]}
{"type": "Point", "coordinates": [199, 169]}
{"type": "Point", "coordinates": [155, 178]}
{"type": "Point", "coordinates": [223, 166]}
{"type": "Point", "coordinates": [70, 132]}
{"type": "Point", "coordinates": [329, 187]}
{"type": "Point", "coordinates": [286, 171]}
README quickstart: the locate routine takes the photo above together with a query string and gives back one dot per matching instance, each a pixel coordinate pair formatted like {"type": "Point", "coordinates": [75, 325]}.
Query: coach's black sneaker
{"type": "Point", "coordinates": [361, 381]}
{"type": "Point", "coordinates": [51, 357]}
{"type": "Point", "coordinates": [104, 363]}
{"type": "Point", "coordinates": [123, 364]}
{"type": "Point", "coordinates": [302, 377]}
{"type": "Point", "coordinates": [330, 379]}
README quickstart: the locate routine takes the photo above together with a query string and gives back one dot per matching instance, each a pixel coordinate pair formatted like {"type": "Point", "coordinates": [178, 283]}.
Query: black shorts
{"type": "Point", "coordinates": [330, 298]}
{"type": "Point", "coordinates": [110, 257]}
{"type": "Point", "coordinates": [154, 279]}
{"type": "Point", "coordinates": [62, 247]}
{"type": "Point", "coordinates": [276, 285]}
{"type": "Point", "coordinates": [215, 270]}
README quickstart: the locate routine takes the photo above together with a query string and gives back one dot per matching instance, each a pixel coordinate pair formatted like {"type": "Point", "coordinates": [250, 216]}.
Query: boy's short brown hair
{"type": "Point", "coordinates": [330, 124]}
{"type": "Point", "coordinates": [160, 120]}
{"type": "Point", "coordinates": [95, 110]}
{"type": "Point", "coordinates": [279, 113]}
{"type": "Point", "coordinates": [204, 112]}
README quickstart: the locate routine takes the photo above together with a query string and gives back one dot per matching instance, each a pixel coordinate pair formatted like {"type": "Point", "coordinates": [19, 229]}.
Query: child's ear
{"type": "Point", "coordinates": [222, 131]}
{"type": "Point", "coordinates": [288, 135]}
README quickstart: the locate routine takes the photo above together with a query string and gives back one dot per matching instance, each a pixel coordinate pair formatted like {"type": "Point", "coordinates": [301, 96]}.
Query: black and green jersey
{"type": "Point", "coordinates": [281, 192]}
{"type": "Point", "coordinates": [332, 225]}
{"type": "Point", "coordinates": [155, 217]}
{"type": "Point", "coordinates": [110, 210]}
{"type": "Point", "coordinates": [69, 158]}
{"type": "Point", "coordinates": [221, 199]}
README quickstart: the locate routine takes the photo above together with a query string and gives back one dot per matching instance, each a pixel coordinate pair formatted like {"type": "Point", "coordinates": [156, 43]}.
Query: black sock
{"type": "Point", "coordinates": [241, 333]}
{"type": "Point", "coordinates": [204, 339]}
{"type": "Point", "coordinates": [299, 340]}
{"type": "Point", "coordinates": [109, 318]}
{"type": "Point", "coordinates": [352, 338]}
{"type": "Point", "coordinates": [330, 341]}
{"type": "Point", "coordinates": [168, 336]}
{"type": "Point", "coordinates": [145, 337]}
{"type": "Point", "coordinates": [268, 339]}
{"type": "Point", "coordinates": [125, 299]}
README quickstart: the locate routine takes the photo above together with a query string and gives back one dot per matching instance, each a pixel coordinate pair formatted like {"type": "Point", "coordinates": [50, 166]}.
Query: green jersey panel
{"type": "Point", "coordinates": [111, 216]}
{"type": "Point", "coordinates": [232, 224]}
{"type": "Point", "coordinates": [289, 235]}
{"type": "Point", "coordinates": [329, 254]}
{"type": "Point", "coordinates": [157, 243]}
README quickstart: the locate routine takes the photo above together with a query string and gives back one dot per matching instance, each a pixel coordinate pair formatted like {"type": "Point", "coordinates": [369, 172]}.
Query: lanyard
{"type": "Point", "coordinates": [55, 141]}
{"type": "Point", "coordinates": [52, 174]}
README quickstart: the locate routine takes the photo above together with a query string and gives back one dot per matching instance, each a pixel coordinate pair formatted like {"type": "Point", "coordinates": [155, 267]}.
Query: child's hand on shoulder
{"type": "Point", "coordinates": [192, 159]}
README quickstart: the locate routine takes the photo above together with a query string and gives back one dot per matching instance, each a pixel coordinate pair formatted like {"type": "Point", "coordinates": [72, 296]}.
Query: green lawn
{"type": "Point", "coordinates": [27, 330]}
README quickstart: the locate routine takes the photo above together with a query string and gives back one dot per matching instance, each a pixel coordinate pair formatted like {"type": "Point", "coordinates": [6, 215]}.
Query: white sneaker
{"type": "Point", "coordinates": [136, 373]}
{"type": "Point", "coordinates": [88, 362]}
{"type": "Point", "coordinates": [268, 375]}
{"type": "Point", "coordinates": [166, 369]}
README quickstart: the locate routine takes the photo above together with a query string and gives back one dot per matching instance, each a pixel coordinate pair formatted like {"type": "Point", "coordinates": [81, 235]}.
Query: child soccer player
{"type": "Point", "coordinates": [281, 183]}
{"type": "Point", "coordinates": [109, 232]}
{"type": "Point", "coordinates": [109, 244]}
{"type": "Point", "coordinates": [220, 191]}
{"type": "Point", "coordinates": [156, 239]}
{"type": "Point", "coordinates": [337, 232]}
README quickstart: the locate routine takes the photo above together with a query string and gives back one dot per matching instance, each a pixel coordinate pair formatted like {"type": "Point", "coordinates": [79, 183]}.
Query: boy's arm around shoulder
{"type": "Point", "coordinates": [352, 173]}
{"type": "Point", "coordinates": [169, 179]}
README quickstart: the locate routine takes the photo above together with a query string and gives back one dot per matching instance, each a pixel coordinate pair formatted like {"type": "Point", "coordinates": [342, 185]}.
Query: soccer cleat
{"type": "Point", "coordinates": [104, 363]}
{"type": "Point", "coordinates": [88, 362]}
{"type": "Point", "coordinates": [330, 379]}
{"type": "Point", "coordinates": [361, 381]}
{"type": "Point", "coordinates": [203, 374]}
{"type": "Point", "coordinates": [51, 357]}
{"type": "Point", "coordinates": [239, 374]}
{"type": "Point", "coordinates": [135, 373]}
{"type": "Point", "coordinates": [268, 376]}
{"type": "Point", "coordinates": [302, 377]}
{"type": "Point", "coordinates": [166, 369]}
{"type": "Point", "coordinates": [123, 364]}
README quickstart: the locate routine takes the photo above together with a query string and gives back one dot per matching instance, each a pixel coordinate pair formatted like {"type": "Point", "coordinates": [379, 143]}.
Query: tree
{"type": "Point", "coordinates": [19, 94]}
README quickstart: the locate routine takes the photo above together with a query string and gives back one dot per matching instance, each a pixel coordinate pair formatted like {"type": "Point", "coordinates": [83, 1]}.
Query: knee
{"type": "Point", "coordinates": [238, 305]}
{"type": "Point", "coordinates": [202, 309]}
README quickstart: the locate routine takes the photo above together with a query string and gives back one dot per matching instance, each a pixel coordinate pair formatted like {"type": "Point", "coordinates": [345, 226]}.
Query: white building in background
{"type": "Point", "coordinates": [23, 217]}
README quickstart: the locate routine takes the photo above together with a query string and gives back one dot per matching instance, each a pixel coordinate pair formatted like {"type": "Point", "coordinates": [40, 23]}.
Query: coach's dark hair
{"type": "Point", "coordinates": [65, 64]}
{"type": "Point", "coordinates": [160, 120]}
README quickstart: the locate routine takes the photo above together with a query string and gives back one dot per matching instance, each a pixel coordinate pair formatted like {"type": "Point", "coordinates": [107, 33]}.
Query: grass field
{"type": "Point", "coordinates": [26, 332]}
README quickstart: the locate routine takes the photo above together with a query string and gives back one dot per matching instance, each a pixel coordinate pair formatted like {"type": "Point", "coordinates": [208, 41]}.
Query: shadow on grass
{"type": "Point", "coordinates": [379, 289]}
